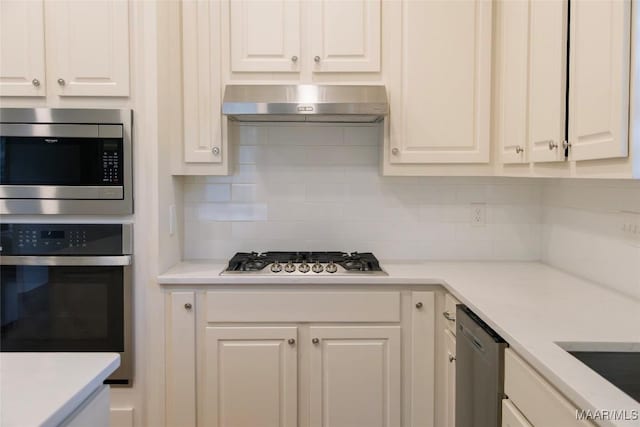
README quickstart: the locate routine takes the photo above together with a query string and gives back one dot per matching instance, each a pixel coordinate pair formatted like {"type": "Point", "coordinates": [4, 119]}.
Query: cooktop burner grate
{"type": "Point", "coordinates": [284, 262]}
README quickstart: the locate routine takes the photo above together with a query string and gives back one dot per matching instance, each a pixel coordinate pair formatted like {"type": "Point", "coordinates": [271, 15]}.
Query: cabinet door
{"type": "Point", "coordinates": [355, 376]}
{"type": "Point", "coordinates": [441, 113]}
{"type": "Point", "coordinates": [450, 378]}
{"type": "Point", "coordinates": [345, 35]}
{"type": "Point", "coordinates": [547, 79]}
{"type": "Point", "coordinates": [599, 79]}
{"type": "Point", "coordinates": [21, 48]}
{"type": "Point", "coordinates": [511, 417]}
{"type": "Point", "coordinates": [514, 73]}
{"type": "Point", "coordinates": [89, 48]}
{"type": "Point", "coordinates": [251, 377]}
{"type": "Point", "coordinates": [265, 35]}
{"type": "Point", "coordinates": [181, 359]}
{"type": "Point", "coordinates": [421, 372]}
{"type": "Point", "coordinates": [201, 84]}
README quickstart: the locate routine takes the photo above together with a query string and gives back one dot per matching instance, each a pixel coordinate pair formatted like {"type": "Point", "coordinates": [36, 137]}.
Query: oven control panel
{"type": "Point", "coordinates": [61, 239]}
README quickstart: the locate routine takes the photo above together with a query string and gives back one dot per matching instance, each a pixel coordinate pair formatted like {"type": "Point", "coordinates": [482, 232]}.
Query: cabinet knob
{"type": "Point", "coordinates": [294, 58]}
{"type": "Point", "coordinates": [448, 316]}
{"type": "Point", "coordinates": [451, 358]}
{"type": "Point", "coordinates": [291, 341]}
{"type": "Point", "coordinates": [188, 306]}
{"type": "Point", "coordinates": [395, 151]}
{"type": "Point", "coordinates": [61, 82]}
{"type": "Point", "coordinates": [552, 145]}
{"type": "Point", "coordinates": [215, 151]}
{"type": "Point", "coordinates": [519, 150]}
{"type": "Point", "coordinates": [35, 82]}
{"type": "Point", "coordinates": [316, 59]}
{"type": "Point", "coordinates": [418, 305]}
{"type": "Point", "coordinates": [566, 145]}
{"type": "Point", "coordinates": [315, 340]}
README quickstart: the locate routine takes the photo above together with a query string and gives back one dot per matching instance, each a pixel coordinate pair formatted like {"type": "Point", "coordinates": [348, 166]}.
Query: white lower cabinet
{"type": "Point", "coordinates": [539, 403]}
{"type": "Point", "coordinates": [450, 379]}
{"type": "Point", "coordinates": [355, 376]}
{"type": "Point", "coordinates": [251, 376]}
{"type": "Point", "coordinates": [323, 366]}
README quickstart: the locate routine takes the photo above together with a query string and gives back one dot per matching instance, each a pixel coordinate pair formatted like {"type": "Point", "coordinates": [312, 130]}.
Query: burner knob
{"type": "Point", "coordinates": [276, 267]}
{"type": "Point", "coordinates": [289, 268]}
{"type": "Point", "coordinates": [331, 267]}
{"type": "Point", "coordinates": [304, 268]}
{"type": "Point", "coordinates": [317, 267]}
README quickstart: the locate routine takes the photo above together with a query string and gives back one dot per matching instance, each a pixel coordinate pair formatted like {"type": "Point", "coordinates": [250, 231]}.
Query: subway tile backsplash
{"type": "Point", "coordinates": [582, 231]}
{"type": "Point", "coordinates": [318, 187]}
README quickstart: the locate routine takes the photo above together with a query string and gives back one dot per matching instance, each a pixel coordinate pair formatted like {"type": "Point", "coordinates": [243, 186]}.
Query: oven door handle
{"type": "Point", "coordinates": [89, 261]}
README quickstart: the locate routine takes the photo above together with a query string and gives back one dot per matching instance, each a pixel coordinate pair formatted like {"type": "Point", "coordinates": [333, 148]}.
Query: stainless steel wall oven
{"type": "Point", "coordinates": [67, 288]}
{"type": "Point", "coordinates": [65, 161]}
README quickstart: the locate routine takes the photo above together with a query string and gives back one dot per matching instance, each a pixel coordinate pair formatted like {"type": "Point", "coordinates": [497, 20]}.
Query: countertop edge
{"type": "Point", "coordinates": [85, 392]}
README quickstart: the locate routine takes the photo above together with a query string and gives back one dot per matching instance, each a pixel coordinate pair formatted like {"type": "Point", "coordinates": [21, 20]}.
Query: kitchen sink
{"type": "Point", "coordinates": [618, 363]}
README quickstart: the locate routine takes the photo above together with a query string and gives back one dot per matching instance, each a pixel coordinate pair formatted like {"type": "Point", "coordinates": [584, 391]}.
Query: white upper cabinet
{"type": "Point", "coordinates": [514, 72]}
{"type": "Point", "coordinates": [265, 35]}
{"type": "Point", "coordinates": [440, 96]}
{"type": "Point", "coordinates": [599, 79]}
{"type": "Point", "coordinates": [345, 35]}
{"type": "Point", "coordinates": [201, 84]}
{"type": "Point", "coordinates": [547, 79]}
{"type": "Point", "coordinates": [89, 47]}
{"type": "Point", "coordinates": [22, 69]}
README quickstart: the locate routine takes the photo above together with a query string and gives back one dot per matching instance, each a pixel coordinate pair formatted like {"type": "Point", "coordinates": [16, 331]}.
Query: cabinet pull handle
{"type": "Point", "coordinates": [519, 150]}
{"type": "Point", "coordinates": [291, 341]}
{"type": "Point", "coordinates": [61, 82]}
{"type": "Point", "coordinates": [315, 340]}
{"type": "Point", "coordinates": [447, 316]}
{"type": "Point", "coordinates": [552, 145]}
{"type": "Point", "coordinates": [188, 306]}
{"type": "Point", "coordinates": [418, 305]}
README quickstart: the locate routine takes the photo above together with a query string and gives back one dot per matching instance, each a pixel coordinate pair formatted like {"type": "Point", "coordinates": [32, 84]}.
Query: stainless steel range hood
{"type": "Point", "coordinates": [305, 103]}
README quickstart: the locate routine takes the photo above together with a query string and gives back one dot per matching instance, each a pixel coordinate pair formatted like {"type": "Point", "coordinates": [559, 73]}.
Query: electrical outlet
{"type": "Point", "coordinates": [631, 226]}
{"type": "Point", "coordinates": [478, 214]}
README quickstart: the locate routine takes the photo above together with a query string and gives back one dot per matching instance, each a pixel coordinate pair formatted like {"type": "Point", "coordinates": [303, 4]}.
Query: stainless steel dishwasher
{"type": "Point", "coordinates": [479, 371]}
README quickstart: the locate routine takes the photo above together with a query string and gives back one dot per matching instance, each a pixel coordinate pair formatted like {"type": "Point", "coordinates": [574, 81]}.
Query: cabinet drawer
{"type": "Point", "coordinates": [449, 313]}
{"type": "Point", "coordinates": [274, 306]}
{"type": "Point", "coordinates": [538, 400]}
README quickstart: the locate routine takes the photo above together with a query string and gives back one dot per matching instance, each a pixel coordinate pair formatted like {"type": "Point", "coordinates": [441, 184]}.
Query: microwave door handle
{"type": "Point", "coordinates": [89, 261]}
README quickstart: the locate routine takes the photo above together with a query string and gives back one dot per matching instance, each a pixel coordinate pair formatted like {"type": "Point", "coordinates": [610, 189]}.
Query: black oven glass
{"type": "Point", "coordinates": [60, 161]}
{"type": "Point", "coordinates": [47, 308]}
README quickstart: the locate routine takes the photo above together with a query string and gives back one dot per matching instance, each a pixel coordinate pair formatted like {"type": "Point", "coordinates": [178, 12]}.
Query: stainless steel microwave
{"type": "Point", "coordinates": [65, 161]}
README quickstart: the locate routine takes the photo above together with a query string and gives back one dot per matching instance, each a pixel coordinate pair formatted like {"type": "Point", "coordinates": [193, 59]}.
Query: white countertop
{"type": "Point", "coordinates": [530, 304]}
{"type": "Point", "coordinates": [43, 389]}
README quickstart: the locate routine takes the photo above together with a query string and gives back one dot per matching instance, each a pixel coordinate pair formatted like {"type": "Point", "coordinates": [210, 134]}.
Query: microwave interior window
{"type": "Point", "coordinates": [60, 161]}
{"type": "Point", "coordinates": [62, 308]}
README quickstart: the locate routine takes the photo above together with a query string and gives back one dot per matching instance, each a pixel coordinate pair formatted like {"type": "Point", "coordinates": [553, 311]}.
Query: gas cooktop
{"type": "Point", "coordinates": [304, 263]}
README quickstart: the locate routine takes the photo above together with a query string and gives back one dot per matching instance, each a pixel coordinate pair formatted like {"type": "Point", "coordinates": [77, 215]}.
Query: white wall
{"type": "Point", "coordinates": [318, 187]}
{"type": "Point", "coordinates": [582, 230]}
